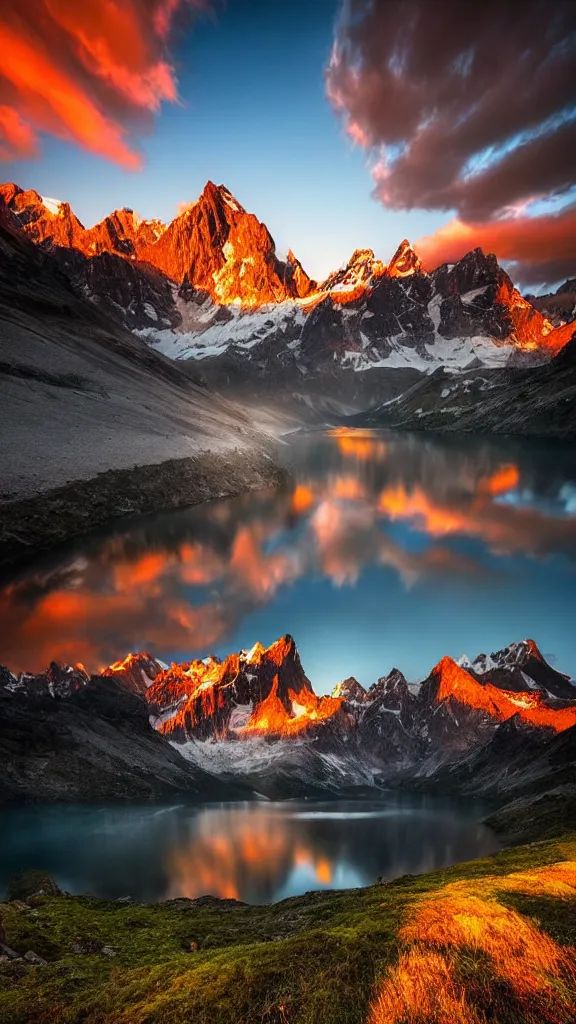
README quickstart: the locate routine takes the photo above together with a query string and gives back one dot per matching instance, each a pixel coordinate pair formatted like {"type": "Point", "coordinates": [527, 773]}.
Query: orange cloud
{"type": "Point", "coordinates": [537, 249]}
{"type": "Point", "coordinates": [16, 137]}
{"type": "Point", "coordinates": [86, 72]}
{"type": "Point", "coordinates": [90, 625]}
{"type": "Point", "coordinates": [183, 207]}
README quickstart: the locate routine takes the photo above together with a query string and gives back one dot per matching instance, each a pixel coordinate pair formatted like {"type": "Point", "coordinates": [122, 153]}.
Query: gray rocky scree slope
{"type": "Point", "coordinates": [81, 396]}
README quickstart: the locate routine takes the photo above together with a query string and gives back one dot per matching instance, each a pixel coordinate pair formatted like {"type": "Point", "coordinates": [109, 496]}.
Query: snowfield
{"type": "Point", "coordinates": [210, 331]}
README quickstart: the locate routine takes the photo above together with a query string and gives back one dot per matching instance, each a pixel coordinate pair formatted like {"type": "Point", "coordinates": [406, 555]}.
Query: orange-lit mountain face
{"type": "Point", "coordinates": [456, 684]}
{"type": "Point", "coordinates": [137, 671]}
{"type": "Point", "coordinates": [101, 263]}
{"type": "Point", "coordinates": [52, 223]}
{"type": "Point", "coordinates": [364, 314]}
{"type": "Point", "coordinates": [404, 262]}
{"type": "Point", "coordinates": [217, 247]}
{"type": "Point", "coordinates": [352, 281]}
{"type": "Point", "coordinates": [363, 271]}
{"type": "Point", "coordinates": [265, 692]}
{"type": "Point", "coordinates": [477, 294]}
{"type": "Point", "coordinates": [44, 221]}
{"type": "Point", "coordinates": [395, 729]}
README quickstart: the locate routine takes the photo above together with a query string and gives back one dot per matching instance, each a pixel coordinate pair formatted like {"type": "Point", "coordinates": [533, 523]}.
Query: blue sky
{"type": "Point", "coordinates": [253, 116]}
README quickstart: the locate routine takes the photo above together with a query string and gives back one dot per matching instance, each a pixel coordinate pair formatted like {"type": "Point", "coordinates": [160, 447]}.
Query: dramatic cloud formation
{"type": "Point", "coordinates": [15, 135]}
{"type": "Point", "coordinates": [471, 109]}
{"type": "Point", "coordinates": [92, 72]}
{"type": "Point", "coordinates": [536, 249]}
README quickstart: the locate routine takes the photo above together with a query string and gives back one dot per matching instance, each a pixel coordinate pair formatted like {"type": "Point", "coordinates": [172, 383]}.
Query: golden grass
{"type": "Point", "coordinates": [531, 970]}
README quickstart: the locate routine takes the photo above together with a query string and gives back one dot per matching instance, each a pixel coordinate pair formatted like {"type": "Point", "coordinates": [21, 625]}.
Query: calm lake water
{"type": "Point", "coordinates": [385, 549]}
{"type": "Point", "coordinates": [255, 852]}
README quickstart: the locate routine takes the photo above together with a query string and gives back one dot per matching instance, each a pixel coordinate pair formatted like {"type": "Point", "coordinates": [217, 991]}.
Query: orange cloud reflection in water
{"type": "Point", "coordinates": [347, 488]}
{"type": "Point", "coordinates": [526, 974]}
{"type": "Point", "coordinates": [503, 480]}
{"type": "Point", "coordinates": [398, 503]}
{"type": "Point", "coordinates": [186, 588]}
{"type": "Point", "coordinates": [363, 447]}
{"type": "Point", "coordinates": [230, 861]}
{"type": "Point", "coordinates": [302, 499]}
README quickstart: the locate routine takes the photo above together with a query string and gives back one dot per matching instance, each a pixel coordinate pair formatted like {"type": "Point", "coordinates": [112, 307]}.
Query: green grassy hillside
{"type": "Point", "coordinates": [486, 940]}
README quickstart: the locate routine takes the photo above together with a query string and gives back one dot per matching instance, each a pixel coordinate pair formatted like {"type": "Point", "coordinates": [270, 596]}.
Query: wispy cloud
{"type": "Point", "coordinates": [93, 73]}
{"type": "Point", "coordinates": [470, 111]}
{"type": "Point", "coordinates": [536, 249]}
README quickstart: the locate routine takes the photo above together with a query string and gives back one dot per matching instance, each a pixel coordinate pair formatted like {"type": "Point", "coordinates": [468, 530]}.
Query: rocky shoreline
{"type": "Point", "coordinates": [36, 523]}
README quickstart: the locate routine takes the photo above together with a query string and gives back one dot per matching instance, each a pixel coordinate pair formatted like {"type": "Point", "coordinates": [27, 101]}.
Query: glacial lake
{"type": "Point", "coordinates": [383, 549]}
{"type": "Point", "coordinates": [255, 852]}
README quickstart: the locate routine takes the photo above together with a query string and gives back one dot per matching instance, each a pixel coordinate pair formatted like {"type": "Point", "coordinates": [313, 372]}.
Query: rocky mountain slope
{"type": "Point", "coordinates": [560, 306]}
{"type": "Point", "coordinates": [211, 288]}
{"type": "Point", "coordinates": [254, 718]}
{"type": "Point", "coordinates": [539, 401]}
{"type": "Point", "coordinates": [530, 772]}
{"type": "Point", "coordinates": [75, 382]}
{"type": "Point", "coordinates": [501, 725]}
{"type": "Point", "coordinates": [368, 316]}
{"type": "Point", "coordinates": [65, 736]}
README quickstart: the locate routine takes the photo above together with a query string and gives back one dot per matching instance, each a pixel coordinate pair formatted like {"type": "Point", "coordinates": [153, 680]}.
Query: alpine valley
{"type": "Point", "coordinates": [145, 329]}
{"type": "Point", "coordinates": [502, 725]}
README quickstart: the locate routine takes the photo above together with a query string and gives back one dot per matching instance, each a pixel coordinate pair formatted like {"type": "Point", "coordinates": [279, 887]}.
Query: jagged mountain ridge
{"type": "Point", "coordinates": [266, 727]}
{"type": "Point", "coordinates": [218, 248]}
{"type": "Point", "coordinates": [50, 222]}
{"type": "Point", "coordinates": [211, 287]}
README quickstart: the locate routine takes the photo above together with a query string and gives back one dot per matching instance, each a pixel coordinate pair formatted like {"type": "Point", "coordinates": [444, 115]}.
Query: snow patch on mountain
{"type": "Point", "coordinates": [212, 337]}
{"type": "Point", "coordinates": [256, 757]}
{"type": "Point", "coordinates": [458, 353]}
{"type": "Point", "coordinates": [54, 205]}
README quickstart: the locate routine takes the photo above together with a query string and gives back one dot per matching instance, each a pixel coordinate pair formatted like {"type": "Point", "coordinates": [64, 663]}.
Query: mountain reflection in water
{"type": "Point", "coordinates": [467, 543]}
{"type": "Point", "coordinates": [255, 852]}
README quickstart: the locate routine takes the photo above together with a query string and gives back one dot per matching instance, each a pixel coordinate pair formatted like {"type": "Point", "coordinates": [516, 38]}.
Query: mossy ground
{"type": "Point", "coordinates": [314, 959]}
